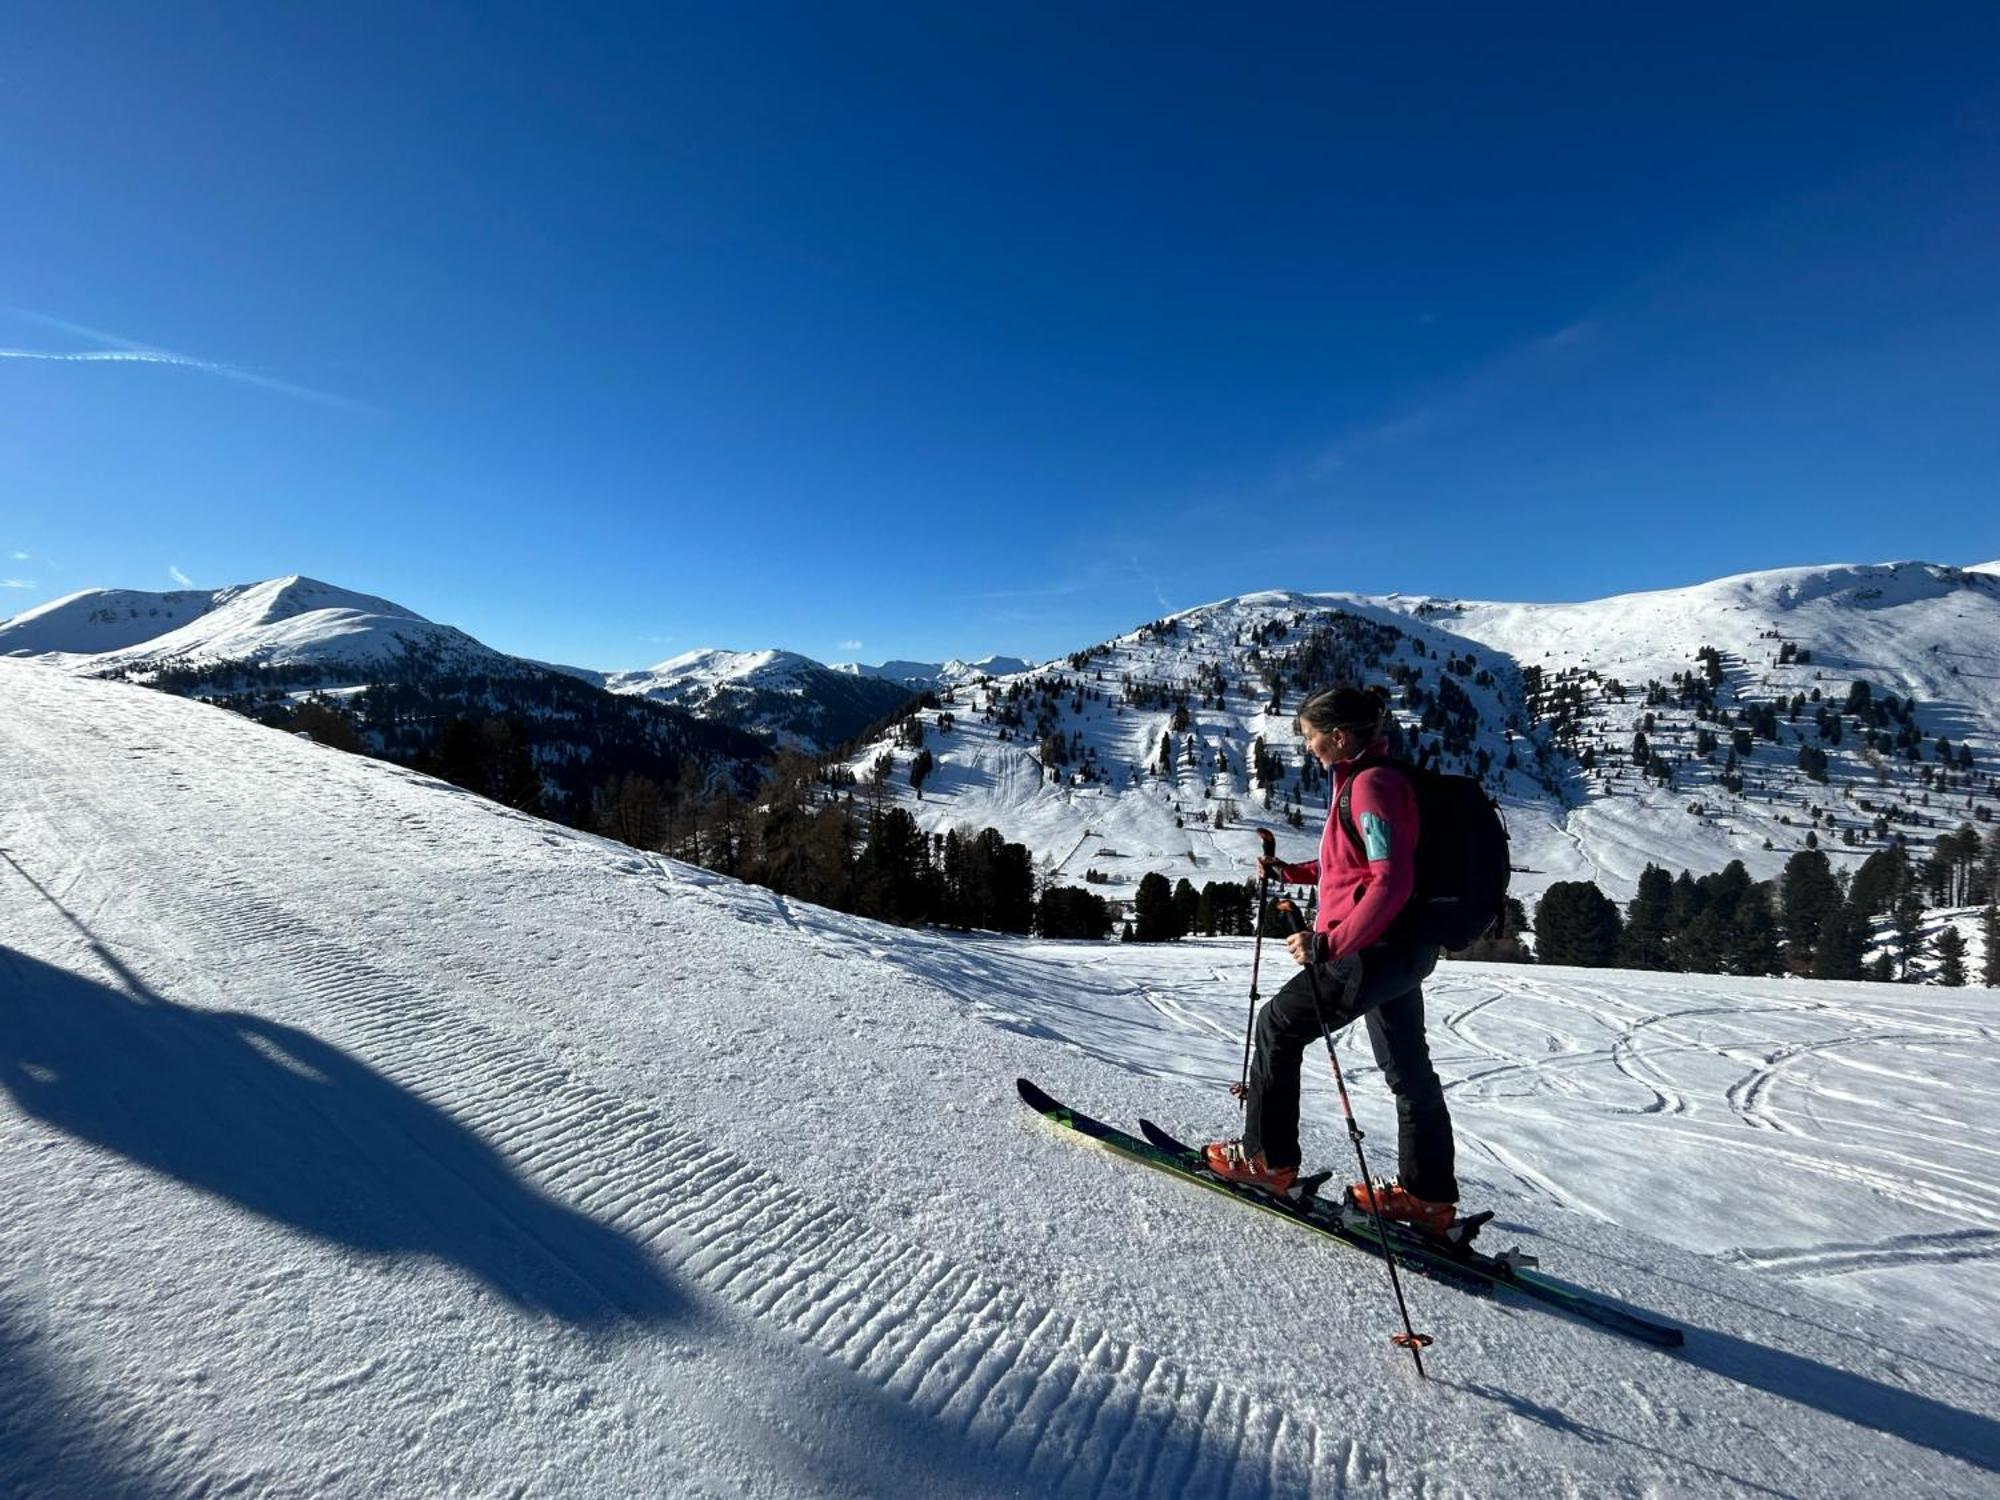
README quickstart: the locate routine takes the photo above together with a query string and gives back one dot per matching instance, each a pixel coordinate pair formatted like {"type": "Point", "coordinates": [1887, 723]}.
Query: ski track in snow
{"type": "Point", "coordinates": [1074, 1409]}
{"type": "Point", "coordinates": [1073, 1406]}
{"type": "Point", "coordinates": [600, 1205]}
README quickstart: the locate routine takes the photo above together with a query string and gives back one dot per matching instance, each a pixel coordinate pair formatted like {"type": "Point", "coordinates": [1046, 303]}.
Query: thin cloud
{"type": "Point", "coordinates": [1496, 379]}
{"type": "Point", "coordinates": [126, 351]}
{"type": "Point", "coordinates": [1051, 591]}
{"type": "Point", "coordinates": [850, 645]}
{"type": "Point", "coordinates": [18, 583]}
{"type": "Point", "coordinates": [179, 577]}
{"type": "Point", "coordinates": [1159, 593]}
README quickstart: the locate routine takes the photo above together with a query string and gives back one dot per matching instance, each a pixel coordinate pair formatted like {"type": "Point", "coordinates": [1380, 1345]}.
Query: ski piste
{"type": "Point", "coordinates": [1468, 1269]}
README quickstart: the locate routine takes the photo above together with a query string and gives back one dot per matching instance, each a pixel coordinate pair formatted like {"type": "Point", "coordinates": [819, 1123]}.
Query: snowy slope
{"type": "Point", "coordinates": [1918, 625]}
{"type": "Point", "coordinates": [1110, 806]}
{"type": "Point", "coordinates": [360, 1137]}
{"type": "Point", "coordinates": [96, 620]}
{"type": "Point", "coordinates": [1910, 629]}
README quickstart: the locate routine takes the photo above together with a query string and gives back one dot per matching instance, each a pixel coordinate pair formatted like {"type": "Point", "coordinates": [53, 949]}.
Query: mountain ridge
{"type": "Point", "coordinates": [1685, 726]}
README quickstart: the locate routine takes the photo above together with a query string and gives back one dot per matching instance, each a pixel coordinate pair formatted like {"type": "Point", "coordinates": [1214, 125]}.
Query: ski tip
{"type": "Point", "coordinates": [1031, 1096]}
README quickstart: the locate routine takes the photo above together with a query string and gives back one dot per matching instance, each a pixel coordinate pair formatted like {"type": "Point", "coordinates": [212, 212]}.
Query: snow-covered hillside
{"type": "Point", "coordinates": [359, 1137]}
{"type": "Point", "coordinates": [1735, 685]}
{"type": "Point", "coordinates": [91, 621]}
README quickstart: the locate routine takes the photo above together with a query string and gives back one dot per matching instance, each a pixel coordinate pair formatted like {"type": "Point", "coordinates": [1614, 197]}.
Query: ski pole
{"type": "Point", "coordinates": [1242, 1089]}
{"type": "Point", "coordinates": [1409, 1338]}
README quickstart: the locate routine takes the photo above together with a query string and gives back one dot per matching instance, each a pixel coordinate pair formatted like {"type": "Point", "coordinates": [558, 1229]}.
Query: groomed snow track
{"type": "Point", "coordinates": [359, 1137]}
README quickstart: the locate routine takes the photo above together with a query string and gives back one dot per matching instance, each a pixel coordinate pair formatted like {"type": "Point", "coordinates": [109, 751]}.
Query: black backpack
{"type": "Point", "coordinates": [1462, 864]}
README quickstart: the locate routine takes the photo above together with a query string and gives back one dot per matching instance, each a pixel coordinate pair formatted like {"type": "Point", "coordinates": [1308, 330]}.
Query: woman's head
{"type": "Point", "coordinates": [1339, 723]}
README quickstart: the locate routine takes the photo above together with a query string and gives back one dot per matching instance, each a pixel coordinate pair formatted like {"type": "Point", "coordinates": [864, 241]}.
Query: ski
{"type": "Point", "coordinates": [1310, 1212]}
{"type": "Point", "coordinates": [1439, 1260]}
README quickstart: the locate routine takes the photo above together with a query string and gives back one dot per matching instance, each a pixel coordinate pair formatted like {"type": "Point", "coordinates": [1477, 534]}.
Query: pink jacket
{"type": "Point", "coordinates": [1359, 898]}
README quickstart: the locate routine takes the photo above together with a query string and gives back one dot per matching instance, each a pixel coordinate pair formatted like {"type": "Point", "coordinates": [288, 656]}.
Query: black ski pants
{"type": "Point", "coordinates": [1384, 984]}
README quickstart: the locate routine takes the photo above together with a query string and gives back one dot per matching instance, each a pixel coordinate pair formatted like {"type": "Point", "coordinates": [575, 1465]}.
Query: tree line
{"type": "Point", "coordinates": [807, 835]}
{"type": "Point", "coordinates": [1811, 921]}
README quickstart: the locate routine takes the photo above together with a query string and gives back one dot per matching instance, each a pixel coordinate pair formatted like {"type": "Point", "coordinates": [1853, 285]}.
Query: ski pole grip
{"type": "Point", "coordinates": [1270, 842]}
{"type": "Point", "coordinates": [1289, 909]}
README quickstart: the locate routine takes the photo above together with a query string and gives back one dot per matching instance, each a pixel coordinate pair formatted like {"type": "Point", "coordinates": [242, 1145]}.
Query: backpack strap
{"type": "Point", "coordinates": [1347, 820]}
{"type": "Point", "coordinates": [1346, 812]}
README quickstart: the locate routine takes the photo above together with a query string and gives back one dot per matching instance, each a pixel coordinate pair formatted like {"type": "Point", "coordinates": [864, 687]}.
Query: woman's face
{"type": "Point", "coordinates": [1325, 745]}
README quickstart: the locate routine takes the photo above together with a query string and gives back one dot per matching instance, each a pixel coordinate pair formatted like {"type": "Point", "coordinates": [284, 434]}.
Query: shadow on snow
{"type": "Point", "coordinates": [269, 1118]}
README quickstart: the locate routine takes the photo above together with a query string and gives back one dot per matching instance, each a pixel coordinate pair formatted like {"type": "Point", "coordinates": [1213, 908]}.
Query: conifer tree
{"type": "Point", "coordinates": [1153, 909]}
{"type": "Point", "coordinates": [1644, 942]}
{"type": "Point", "coordinates": [1066, 912]}
{"type": "Point", "coordinates": [1879, 881]}
{"type": "Point", "coordinates": [1754, 945]}
{"type": "Point", "coordinates": [1688, 900]}
{"type": "Point", "coordinates": [1989, 929]}
{"type": "Point", "coordinates": [1842, 945]}
{"type": "Point", "coordinates": [1713, 941]}
{"type": "Point", "coordinates": [1576, 923]}
{"type": "Point", "coordinates": [1951, 957]}
{"type": "Point", "coordinates": [1909, 919]}
{"type": "Point", "coordinates": [1811, 895]}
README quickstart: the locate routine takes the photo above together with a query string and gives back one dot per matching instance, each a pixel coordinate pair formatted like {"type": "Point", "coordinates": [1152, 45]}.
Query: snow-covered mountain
{"type": "Point", "coordinates": [281, 622]}
{"type": "Point", "coordinates": [359, 1137]}
{"type": "Point", "coordinates": [789, 699]}
{"type": "Point", "coordinates": [929, 676]}
{"type": "Point", "coordinates": [1738, 686]}
{"type": "Point", "coordinates": [266, 649]}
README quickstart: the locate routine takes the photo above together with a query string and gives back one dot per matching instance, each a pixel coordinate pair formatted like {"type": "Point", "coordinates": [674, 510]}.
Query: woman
{"type": "Point", "coordinates": [1365, 874]}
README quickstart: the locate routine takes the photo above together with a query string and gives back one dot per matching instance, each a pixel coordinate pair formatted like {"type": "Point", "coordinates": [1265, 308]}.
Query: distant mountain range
{"type": "Point", "coordinates": [1684, 726]}
{"type": "Point", "coordinates": [427, 695]}
{"type": "Point", "coordinates": [320, 637]}
{"type": "Point", "coordinates": [927, 676]}
{"type": "Point", "coordinates": [794, 702]}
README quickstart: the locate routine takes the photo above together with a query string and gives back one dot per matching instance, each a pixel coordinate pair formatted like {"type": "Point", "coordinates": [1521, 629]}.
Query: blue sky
{"type": "Point", "coordinates": [606, 332]}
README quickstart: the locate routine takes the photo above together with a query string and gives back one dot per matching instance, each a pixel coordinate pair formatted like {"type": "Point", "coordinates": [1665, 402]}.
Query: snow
{"type": "Point", "coordinates": [361, 1137]}
{"type": "Point", "coordinates": [289, 621]}
{"type": "Point", "coordinates": [94, 620]}
{"type": "Point", "coordinates": [1913, 629]}
{"type": "Point", "coordinates": [710, 666]}
{"type": "Point", "coordinates": [921, 676]}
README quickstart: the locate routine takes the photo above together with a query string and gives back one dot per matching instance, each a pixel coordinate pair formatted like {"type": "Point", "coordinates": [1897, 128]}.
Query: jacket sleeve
{"type": "Point", "coordinates": [1385, 811]}
{"type": "Point", "coordinates": [1302, 874]}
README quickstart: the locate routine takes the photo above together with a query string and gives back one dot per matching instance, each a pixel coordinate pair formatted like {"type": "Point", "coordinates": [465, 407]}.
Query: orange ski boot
{"type": "Point", "coordinates": [1405, 1207]}
{"type": "Point", "coordinates": [1227, 1161]}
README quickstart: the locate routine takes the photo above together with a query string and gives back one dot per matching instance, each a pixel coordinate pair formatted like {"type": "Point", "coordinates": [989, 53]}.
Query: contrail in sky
{"type": "Point", "coordinates": [124, 351]}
